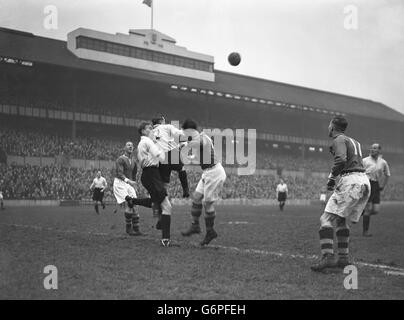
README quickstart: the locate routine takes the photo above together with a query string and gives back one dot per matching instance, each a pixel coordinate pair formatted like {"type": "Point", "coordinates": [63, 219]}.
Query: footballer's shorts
{"type": "Point", "coordinates": [153, 183]}
{"type": "Point", "coordinates": [350, 196]}
{"type": "Point", "coordinates": [122, 190]}
{"type": "Point", "coordinates": [211, 183]}
{"type": "Point", "coordinates": [1, 196]}
{"type": "Point", "coordinates": [281, 196]}
{"type": "Point", "coordinates": [98, 195]}
{"type": "Point", "coordinates": [172, 163]}
{"type": "Point", "coordinates": [374, 192]}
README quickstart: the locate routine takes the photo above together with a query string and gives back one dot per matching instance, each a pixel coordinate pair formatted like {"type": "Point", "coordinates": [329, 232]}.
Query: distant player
{"type": "Point", "coordinates": [124, 190]}
{"type": "Point", "coordinates": [348, 199]}
{"type": "Point", "coordinates": [98, 187]}
{"type": "Point", "coordinates": [166, 136]}
{"type": "Point", "coordinates": [150, 155]}
{"type": "Point", "coordinates": [378, 172]}
{"type": "Point", "coordinates": [209, 186]}
{"type": "Point", "coordinates": [323, 197]}
{"type": "Point", "coordinates": [1, 201]}
{"type": "Point", "coordinates": [282, 193]}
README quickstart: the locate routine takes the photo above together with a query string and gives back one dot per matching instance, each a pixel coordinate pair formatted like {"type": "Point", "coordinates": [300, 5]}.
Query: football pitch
{"type": "Point", "coordinates": [261, 253]}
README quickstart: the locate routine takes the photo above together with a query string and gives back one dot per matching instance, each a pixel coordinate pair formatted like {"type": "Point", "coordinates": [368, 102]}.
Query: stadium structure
{"type": "Point", "coordinates": [100, 84]}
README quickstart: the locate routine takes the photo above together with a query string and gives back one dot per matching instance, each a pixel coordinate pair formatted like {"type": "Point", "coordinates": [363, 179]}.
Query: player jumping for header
{"type": "Point", "coordinates": [166, 136]}
{"type": "Point", "coordinates": [348, 199]}
{"type": "Point", "coordinates": [210, 184]}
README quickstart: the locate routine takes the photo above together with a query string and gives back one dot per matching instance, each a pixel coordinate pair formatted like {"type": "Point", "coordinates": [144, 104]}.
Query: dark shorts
{"type": "Point", "coordinates": [374, 192]}
{"type": "Point", "coordinates": [166, 167]}
{"type": "Point", "coordinates": [98, 195]}
{"type": "Point", "coordinates": [153, 183]}
{"type": "Point", "coordinates": [281, 196]}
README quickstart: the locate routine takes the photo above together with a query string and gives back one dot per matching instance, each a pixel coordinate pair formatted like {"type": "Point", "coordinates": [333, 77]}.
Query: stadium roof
{"type": "Point", "coordinates": [26, 46]}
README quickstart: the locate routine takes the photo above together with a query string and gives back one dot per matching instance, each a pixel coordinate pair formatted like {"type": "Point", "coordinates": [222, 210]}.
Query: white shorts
{"type": "Point", "coordinates": [211, 183]}
{"type": "Point", "coordinates": [350, 196]}
{"type": "Point", "coordinates": [323, 197]}
{"type": "Point", "coordinates": [1, 196]}
{"type": "Point", "coordinates": [122, 190]}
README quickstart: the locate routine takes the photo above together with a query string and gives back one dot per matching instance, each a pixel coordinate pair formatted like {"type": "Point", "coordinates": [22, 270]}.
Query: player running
{"type": "Point", "coordinates": [378, 172]}
{"type": "Point", "coordinates": [348, 199]}
{"type": "Point", "coordinates": [210, 184]}
{"type": "Point", "coordinates": [124, 190]}
{"type": "Point", "coordinates": [150, 155]}
{"type": "Point", "coordinates": [166, 136]}
{"type": "Point", "coordinates": [98, 187]}
{"type": "Point", "coordinates": [282, 193]}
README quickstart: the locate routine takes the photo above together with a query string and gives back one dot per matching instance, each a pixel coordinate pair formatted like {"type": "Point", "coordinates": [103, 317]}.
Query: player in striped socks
{"type": "Point", "coordinates": [210, 184]}
{"type": "Point", "coordinates": [348, 199]}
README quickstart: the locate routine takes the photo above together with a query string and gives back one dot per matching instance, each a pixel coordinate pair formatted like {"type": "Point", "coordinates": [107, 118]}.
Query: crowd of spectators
{"type": "Point", "coordinates": [61, 183]}
{"type": "Point", "coordinates": [36, 144]}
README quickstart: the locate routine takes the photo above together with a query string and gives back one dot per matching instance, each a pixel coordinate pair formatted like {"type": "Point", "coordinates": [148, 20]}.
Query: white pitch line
{"type": "Point", "coordinates": [389, 270]}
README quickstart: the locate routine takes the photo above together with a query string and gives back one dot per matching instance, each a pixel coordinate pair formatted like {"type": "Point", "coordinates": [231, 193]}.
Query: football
{"type": "Point", "coordinates": [234, 58]}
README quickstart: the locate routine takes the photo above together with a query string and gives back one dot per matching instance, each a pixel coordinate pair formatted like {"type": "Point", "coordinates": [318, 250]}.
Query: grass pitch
{"type": "Point", "coordinates": [260, 253]}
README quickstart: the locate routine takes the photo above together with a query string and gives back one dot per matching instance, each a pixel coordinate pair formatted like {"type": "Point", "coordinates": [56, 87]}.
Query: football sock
{"type": "Point", "coordinates": [128, 219]}
{"type": "Point", "coordinates": [343, 242]}
{"type": "Point", "coordinates": [209, 220]}
{"type": "Point", "coordinates": [96, 207]}
{"type": "Point", "coordinates": [135, 221]}
{"type": "Point", "coordinates": [196, 212]}
{"type": "Point", "coordinates": [326, 240]}
{"type": "Point", "coordinates": [366, 223]}
{"type": "Point", "coordinates": [165, 226]}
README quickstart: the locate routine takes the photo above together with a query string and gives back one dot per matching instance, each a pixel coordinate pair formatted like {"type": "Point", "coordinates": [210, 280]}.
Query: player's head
{"type": "Point", "coordinates": [158, 120]}
{"type": "Point", "coordinates": [190, 128]}
{"type": "Point", "coordinates": [98, 174]}
{"type": "Point", "coordinates": [375, 150]}
{"type": "Point", "coordinates": [189, 124]}
{"type": "Point", "coordinates": [281, 181]}
{"type": "Point", "coordinates": [145, 129]}
{"type": "Point", "coordinates": [129, 147]}
{"type": "Point", "coordinates": [338, 124]}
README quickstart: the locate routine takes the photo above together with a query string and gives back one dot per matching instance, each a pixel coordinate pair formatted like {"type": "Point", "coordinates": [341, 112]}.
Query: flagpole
{"type": "Point", "coordinates": [152, 4]}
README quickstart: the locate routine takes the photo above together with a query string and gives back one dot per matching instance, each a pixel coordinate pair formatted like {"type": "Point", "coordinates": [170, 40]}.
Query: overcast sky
{"type": "Point", "coordinates": [301, 42]}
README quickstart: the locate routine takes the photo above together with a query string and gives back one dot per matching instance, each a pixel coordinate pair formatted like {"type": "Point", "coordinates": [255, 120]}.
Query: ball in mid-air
{"type": "Point", "coordinates": [234, 58]}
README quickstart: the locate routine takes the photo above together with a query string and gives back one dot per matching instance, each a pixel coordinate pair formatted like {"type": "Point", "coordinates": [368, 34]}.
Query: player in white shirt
{"type": "Point", "coordinates": [98, 187]}
{"type": "Point", "coordinates": [282, 193]}
{"type": "Point", "coordinates": [150, 155]}
{"type": "Point", "coordinates": [167, 138]}
{"type": "Point", "coordinates": [1, 201]}
{"type": "Point", "coordinates": [378, 172]}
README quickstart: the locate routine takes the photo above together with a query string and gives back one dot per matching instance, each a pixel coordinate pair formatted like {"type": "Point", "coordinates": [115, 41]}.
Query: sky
{"type": "Point", "coordinates": [301, 42]}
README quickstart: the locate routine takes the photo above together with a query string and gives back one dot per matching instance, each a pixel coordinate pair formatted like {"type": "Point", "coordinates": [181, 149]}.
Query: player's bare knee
{"type": "Point", "coordinates": [166, 207]}
{"type": "Point", "coordinates": [341, 222]}
{"type": "Point", "coordinates": [209, 206]}
{"type": "Point", "coordinates": [325, 221]}
{"type": "Point", "coordinates": [197, 198]}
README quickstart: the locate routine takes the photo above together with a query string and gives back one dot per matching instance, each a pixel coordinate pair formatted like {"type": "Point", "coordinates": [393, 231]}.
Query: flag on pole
{"type": "Point", "coordinates": [148, 3]}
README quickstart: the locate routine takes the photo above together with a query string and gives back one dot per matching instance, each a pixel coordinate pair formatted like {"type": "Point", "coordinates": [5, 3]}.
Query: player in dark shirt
{"type": "Point", "coordinates": [348, 199]}
{"type": "Point", "coordinates": [124, 190]}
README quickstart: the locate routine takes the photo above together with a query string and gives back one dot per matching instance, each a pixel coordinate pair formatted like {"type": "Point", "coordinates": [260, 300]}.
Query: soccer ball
{"type": "Point", "coordinates": [234, 58]}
